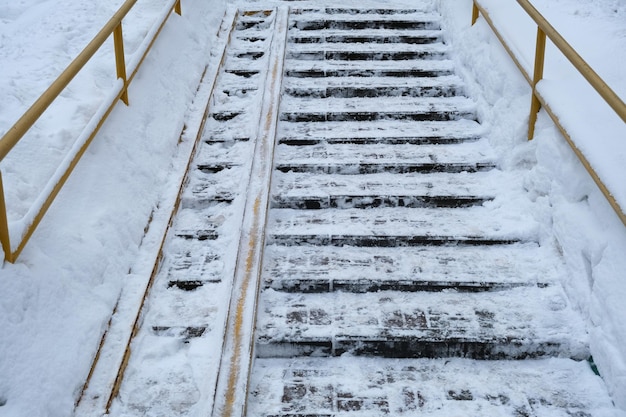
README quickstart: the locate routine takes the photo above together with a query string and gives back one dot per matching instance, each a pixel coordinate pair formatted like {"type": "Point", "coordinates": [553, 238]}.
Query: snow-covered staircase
{"type": "Point", "coordinates": [404, 272]}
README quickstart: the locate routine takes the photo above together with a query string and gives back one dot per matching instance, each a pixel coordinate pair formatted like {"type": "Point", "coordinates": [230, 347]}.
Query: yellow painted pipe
{"type": "Point", "coordinates": [15, 133]}
{"type": "Point", "coordinates": [156, 35]}
{"type": "Point", "coordinates": [120, 62]}
{"type": "Point", "coordinates": [114, 27]}
{"type": "Point", "coordinates": [608, 195]}
{"type": "Point", "coordinates": [5, 239]}
{"type": "Point", "coordinates": [616, 103]}
{"type": "Point", "coordinates": [579, 63]}
{"type": "Point", "coordinates": [475, 12]}
{"type": "Point", "coordinates": [540, 58]}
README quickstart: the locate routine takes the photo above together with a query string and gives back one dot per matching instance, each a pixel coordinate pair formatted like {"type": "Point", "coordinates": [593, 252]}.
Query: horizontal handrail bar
{"type": "Point", "coordinates": [17, 131]}
{"type": "Point", "coordinates": [579, 63]}
{"type": "Point", "coordinates": [583, 160]}
{"type": "Point", "coordinates": [119, 91]}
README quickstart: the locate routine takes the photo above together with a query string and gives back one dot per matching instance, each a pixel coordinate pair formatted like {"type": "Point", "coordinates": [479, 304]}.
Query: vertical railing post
{"type": "Point", "coordinates": [535, 104]}
{"type": "Point", "coordinates": [177, 8]}
{"type": "Point", "coordinates": [475, 12]}
{"type": "Point", "coordinates": [4, 226]}
{"type": "Point", "coordinates": [120, 64]}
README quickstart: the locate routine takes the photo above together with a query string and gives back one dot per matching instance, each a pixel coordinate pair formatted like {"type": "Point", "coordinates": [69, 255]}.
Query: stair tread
{"type": "Point", "coordinates": [529, 316]}
{"type": "Point", "coordinates": [229, 130]}
{"type": "Point", "coordinates": [388, 9]}
{"type": "Point", "coordinates": [316, 15]}
{"type": "Point", "coordinates": [310, 21]}
{"type": "Point", "coordinates": [178, 308]}
{"type": "Point", "coordinates": [488, 183]}
{"type": "Point", "coordinates": [375, 36]}
{"type": "Point", "coordinates": [472, 153]}
{"type": "Point", "coordinates": [380, 129]}
{"type": "Point", "coordinates": [489, 223]}
{"type": "Point", "coordinates": [329, 33]}
{"type": "Point", "coordinates": [232, 63]}
{"type": "Point", "coordinates": [439, 48]}
{"type": "Point", "coordinates": [372, 82]}
{"type": "Point", "coordinates": [192, 261]}
{"type": "Point", "coordinates": [230, 80]}
{"type": "Point", "coordinates": [421, 64]}
{"type": "Point", "coordinates": [428, 387]}
{"type": "Point", "coordinates": [217, 153]}
{"type": "Point", "coordinates": [396, 104]}
{"type": "Point", "coordinates": [486, 266]}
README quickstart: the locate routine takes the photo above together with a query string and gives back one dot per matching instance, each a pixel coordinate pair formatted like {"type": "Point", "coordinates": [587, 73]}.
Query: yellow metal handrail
{"type": "Point", "coordinates": [19, 129]}
{"type": "Point", "coordinates": [544, 28]}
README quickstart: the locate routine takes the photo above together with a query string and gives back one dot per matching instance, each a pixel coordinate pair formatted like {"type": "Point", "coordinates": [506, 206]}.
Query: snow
{"type": "Point", "coordinates": [590, 235]}
{"type": "Point", "coordinates": [91, 247]}
{"type": "Point", "coordinates": [366, 386]}
{"type": "Point", "coordinates": [596, 130]}
{"type": "Point", "coordinates": [344, 319]}
{"type": "Point", "coordinates": [58, 298]}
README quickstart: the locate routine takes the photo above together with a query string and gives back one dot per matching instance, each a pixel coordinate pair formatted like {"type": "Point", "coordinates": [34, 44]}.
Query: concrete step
{"type": "Point", "coordinates": [353, 24]}
{"type": "Point", "coordinates": [363, 159]}
{"type": "Point", "coordinates": [434, 48]}
{"type": "Point", "coordinates": [464, 268]}
{"type": "Point", "coordinates": [253, 24]}
{"type": "Point", "coordinates": [430, 388]}
{"type": "Point", "coordinates": [379, 132]}
{"type": "Point", "coordinates": [367, 54]}
{"type": "Point", "coordinates": [348, 21]}
{"type": "Point", "coordinates": [394, 227]}
{"type": "Point", "coordinates": [363, 70]}
{"type": "Point", "coordinates": [362, 12]}
{"type": "Point", "coordinates": [515, 323]}
{"type": "Point", "coordinates": [375, 91]}
{"type": "Point", "coordinates": [373, 36]}
{"type": "Point", "coordinates": [382, 82]}
{"type": "Point", "coordinates": [314, 190]}
{"type": "Point", "coordinates": [368, 201]}
{"type": "Point", "coordinates": [303, 185]}
{"type": "Point", "coordinates": [295, 109]}
{"type": "Point", "coordinates": [190, 265]}
{"type": "Point", "coordinates": [407, 68]}
{"type": "Point", "coordinates": [348, 87]}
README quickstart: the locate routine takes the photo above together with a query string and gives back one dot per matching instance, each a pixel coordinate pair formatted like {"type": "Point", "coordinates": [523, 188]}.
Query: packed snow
{"type": "Point", "coordinates": [56, 300]}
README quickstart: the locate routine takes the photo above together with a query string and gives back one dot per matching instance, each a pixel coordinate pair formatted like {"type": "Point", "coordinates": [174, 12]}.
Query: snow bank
{"type": "Point", "coordinates": [57, 299]}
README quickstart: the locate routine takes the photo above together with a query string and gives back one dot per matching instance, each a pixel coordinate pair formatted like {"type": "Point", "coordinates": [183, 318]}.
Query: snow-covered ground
{"type": "Point", "coordinates": [56, 300]}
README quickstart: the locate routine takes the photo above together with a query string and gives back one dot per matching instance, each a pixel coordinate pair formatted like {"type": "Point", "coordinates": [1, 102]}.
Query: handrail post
{"type": "Point", "coordinates": [177, 8]}
{"type": "Point", "coordinates": [5, 239]}
{"type": "Point", "coordinates": [535, 104]}
{"type": "Point", "coordinates": [475, 12]}
{"type": "Point", "coordinates": [120, 64]}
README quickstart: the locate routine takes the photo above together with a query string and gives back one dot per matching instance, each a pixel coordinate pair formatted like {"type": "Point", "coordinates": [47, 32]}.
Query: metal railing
{"type": "Point", "coordinates": [119, 92]}
{"type": "Point", "coordinates": [545, 29]}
